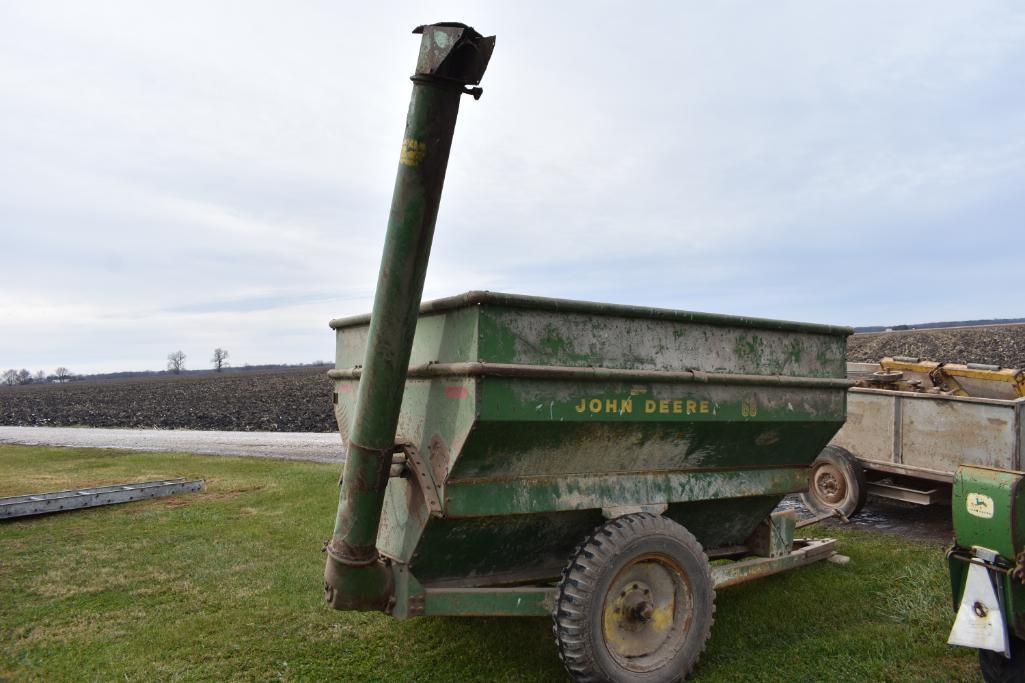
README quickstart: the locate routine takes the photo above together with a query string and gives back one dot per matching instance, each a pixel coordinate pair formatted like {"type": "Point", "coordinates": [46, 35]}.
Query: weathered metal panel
{"type": "Point", "coordinates": [626, 403]}
{"type": "Point", "coordinates": [916, 496]}
{"type": "Point", "coordinates": [541, 303]}
{"type": "Point", "coordinates": [437, 418]}
{"type": "Point", "coordinates": [499, 550]}
{"type": "Point", "coordinates": [483, 497]}
{"type": "Point", "coordinates": [868, 431]}
{"type": "Point", "coordinates": [518, 335]}
{"type": "Point", "coordinates": [506, 450]}
{"type": "Point", "coordinates": [943, 433]}
{"type": "Point", "coordinates": [930, 434]}
{"type": "Point", "coordinates": [490, 602]}
{"type": "Point", "coordinates": [722, 523]}
{"type": "Point", "coordinates": [439, 339]}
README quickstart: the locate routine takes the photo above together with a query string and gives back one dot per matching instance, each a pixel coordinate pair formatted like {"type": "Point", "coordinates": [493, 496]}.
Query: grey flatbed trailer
{"type": "Point", "coordinates": [907, 445]}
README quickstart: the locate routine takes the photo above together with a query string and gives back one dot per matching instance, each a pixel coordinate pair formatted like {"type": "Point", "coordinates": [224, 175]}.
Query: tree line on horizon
{"type": "Point", "coordinates": [175, 365]}
{"type": "Point", "coordinates": [13, 377]}
{"type": "Point", "coordinates": [176, 360]}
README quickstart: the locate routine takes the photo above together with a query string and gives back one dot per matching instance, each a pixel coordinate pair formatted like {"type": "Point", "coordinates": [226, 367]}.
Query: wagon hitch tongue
{"type": "Point", "coordinates": [451, 62]}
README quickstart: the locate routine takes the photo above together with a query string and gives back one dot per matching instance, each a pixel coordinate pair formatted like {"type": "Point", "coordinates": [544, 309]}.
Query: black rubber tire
{"type": "Point", "coordinates": [996, 668]}
{"type": "Point", "coordinates": [587, 579]}
{"type": "Point", "coordinates": [855, 491]}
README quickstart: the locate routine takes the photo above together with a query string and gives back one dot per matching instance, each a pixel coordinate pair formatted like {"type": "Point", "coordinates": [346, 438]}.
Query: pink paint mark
{"type": "Point", "coordinates": [344, 389]}
{"type": "Point", "coordinates": [456, 392]}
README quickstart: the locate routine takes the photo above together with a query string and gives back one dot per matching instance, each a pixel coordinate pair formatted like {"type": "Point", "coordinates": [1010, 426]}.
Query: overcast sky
{"type": "Point", "coordinates": [191, 175]}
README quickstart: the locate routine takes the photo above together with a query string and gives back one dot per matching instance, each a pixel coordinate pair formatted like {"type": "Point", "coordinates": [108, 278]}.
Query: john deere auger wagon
{"type": "Point", "coordinates": [524, 456]}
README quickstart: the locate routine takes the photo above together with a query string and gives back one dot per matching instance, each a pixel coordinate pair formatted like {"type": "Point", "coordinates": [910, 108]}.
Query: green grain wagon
{"type": "Point", "coordinates": [526, 456]}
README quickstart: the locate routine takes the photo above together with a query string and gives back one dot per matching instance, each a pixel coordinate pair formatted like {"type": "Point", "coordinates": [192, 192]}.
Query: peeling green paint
{"type": "Point", "coordinates": [751, 349]}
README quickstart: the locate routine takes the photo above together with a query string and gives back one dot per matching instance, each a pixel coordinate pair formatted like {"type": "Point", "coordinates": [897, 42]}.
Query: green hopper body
{"type": "Point", "coordinates": [528, 420]}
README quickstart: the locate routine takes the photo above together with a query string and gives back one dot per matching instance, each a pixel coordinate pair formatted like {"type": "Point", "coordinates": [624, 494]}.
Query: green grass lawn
{"type": "Point", "coordinates": [226, 585]}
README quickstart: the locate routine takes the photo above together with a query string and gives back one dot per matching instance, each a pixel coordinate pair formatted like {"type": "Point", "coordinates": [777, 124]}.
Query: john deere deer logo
{"type": "Point", "coordinates": [979, 505]}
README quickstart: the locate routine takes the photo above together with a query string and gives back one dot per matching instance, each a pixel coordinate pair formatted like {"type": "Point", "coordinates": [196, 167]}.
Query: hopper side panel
{"type": "Point", "coordinates": [543, 337]}
{"type": "Point", "coordinates": [503, 450]}
{"type": "Point", "coordinates": [596, 491]}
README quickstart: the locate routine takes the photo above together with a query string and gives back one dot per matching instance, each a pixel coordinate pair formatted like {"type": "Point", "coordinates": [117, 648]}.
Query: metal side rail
{"type": "Point", "coordinates": [537, 601]}
{"type": "Point", "coordinates": [57, 501]}
{"type": "Point", "coordinates": [805, 551]}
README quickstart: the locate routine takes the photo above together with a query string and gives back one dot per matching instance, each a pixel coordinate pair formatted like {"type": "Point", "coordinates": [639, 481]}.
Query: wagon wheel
{"type": "Point", "coordinates": [635, 603]}
{"type": "Point", "coordinates": [996, 668]}
{"type": "Point", "coordinates": [837, 482]}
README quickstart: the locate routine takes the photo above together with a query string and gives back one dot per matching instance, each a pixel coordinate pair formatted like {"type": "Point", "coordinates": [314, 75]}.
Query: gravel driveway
{"type": "Point", "coordinates": [326, 447]}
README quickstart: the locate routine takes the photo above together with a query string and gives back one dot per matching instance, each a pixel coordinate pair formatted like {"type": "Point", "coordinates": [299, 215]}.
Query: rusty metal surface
{"type": "Point", "coordinates": [973, 379]}
{"type": "Point", "coordinates": [451, 51]}
{"type": "Point", "coordinates": [806, 551]}
{"type": "Point", "coordinates": [646, 612]}
{"type": "Point", "coordinates": [930, 496]}
{"type": "Point", "coordinates": [423, 474]}
{"type": "Point", "coordinates": [774, 536]}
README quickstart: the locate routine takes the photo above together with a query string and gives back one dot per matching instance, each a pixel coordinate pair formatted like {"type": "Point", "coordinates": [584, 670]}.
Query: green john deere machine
{"type": "Point", "coordinates": [987, 568]}
{"type": "Point", "coordinates": [526, 456]}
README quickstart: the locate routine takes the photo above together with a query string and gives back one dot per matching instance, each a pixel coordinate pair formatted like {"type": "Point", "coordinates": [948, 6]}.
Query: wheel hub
{"type": "Point", "coordinates": [829, 484]}
{"type": "Point", "coordinates": [647, 613]}
{"type": "Point", "coordinates": [633, 606]}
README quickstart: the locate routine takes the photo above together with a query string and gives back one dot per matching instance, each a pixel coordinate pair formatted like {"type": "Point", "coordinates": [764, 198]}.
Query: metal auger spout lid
{"type": "Point", "coordinates": [452, 57]}
{"type": "Point", "coordinates": [454, 52]}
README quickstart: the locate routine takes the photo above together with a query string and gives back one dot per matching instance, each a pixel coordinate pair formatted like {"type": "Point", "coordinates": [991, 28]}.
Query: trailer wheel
{"type": "Point", "coordinates": [837, 482]}
{"type": "Point", "coordinates": [635, 603]}
{"type": "Point", "coordinates": [996, 668]}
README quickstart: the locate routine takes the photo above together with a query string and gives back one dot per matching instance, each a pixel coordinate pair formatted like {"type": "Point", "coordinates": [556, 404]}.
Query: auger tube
{"type": "Point", "coordinates": [451, 62]}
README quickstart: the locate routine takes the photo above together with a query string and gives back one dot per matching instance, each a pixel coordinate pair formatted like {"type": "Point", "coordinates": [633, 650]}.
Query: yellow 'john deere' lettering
{"type": "Point", "coordinates": [625, 406]}
{"type": "Point", "coordinates": [600, 406]}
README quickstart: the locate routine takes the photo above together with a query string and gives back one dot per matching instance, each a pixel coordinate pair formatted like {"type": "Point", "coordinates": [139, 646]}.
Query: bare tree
{"type": "Point", "coordinates": [11, 377]}
{"type": "Point", "coordinates": [176, 362]}
{"type": "Point", "coordinates": [62, 374]}
{"type": "Point", "coordinates": [39, 377]}
{"type": "Point", "coordinates": [220, 359]}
